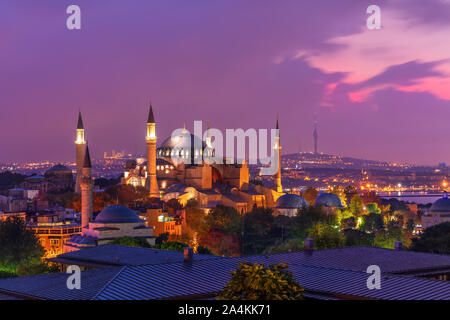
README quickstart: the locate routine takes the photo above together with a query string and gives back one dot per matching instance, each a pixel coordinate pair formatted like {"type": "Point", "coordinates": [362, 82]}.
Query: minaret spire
{"type": "Point", "coordinates": [152, 182]}
{"type": "Point", "coordinates": [79, 149]}
{"type": "Point", "coordinates": [86, 185]}
{"type": "Point", "coordinates": [278, 150]}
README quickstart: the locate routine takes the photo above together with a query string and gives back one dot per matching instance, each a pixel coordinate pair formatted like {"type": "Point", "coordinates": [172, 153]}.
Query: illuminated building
{"type": "Point", "coordinates": [167, 172]}
{"type": "Point", "coordinates": [438, 213]}
{"type": "Point", "coordinates": [53, 233]}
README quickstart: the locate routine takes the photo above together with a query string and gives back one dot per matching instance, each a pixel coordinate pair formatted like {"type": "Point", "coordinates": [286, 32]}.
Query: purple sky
{"type": "Point", "coordinates": [379, 94]}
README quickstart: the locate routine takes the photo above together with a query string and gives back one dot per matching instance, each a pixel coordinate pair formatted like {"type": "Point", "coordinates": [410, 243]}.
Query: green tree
{"type": "Point", "coordinates": [18, 246]}
{"type": "Point", "coordinates": [131, 242]}
{"type": "Point", "coordinates": [340, 192]}
{"type": "Point", "coordinates": [371, 222]}
{"type": "Point", "coordinates": [257, 235]}
{"type": "Point", "coordinates": [223, 218]}
{"type": "Point", "coordinates": [358, 238]}
{"type": "Point", "coordinates": [290, 245]}
{"type": "Point", "coordinates": [356, 205]}
{"type": "Point", "coordinates": [435, 239]}
{"type": "Point", "coordinates": [258, 282]}
{"type": "Point", "coordinates": [172, 246]}
{"type": "Point", "coordinates": [373, 208]}
{"type": "Point", "coordinates": [326, 236]}
{"type": "Point", "coordinates": [310, 195]}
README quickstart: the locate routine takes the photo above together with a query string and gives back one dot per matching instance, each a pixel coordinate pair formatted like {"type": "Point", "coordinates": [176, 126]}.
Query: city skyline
{"type": "Point", "coordinates": [377, 95]}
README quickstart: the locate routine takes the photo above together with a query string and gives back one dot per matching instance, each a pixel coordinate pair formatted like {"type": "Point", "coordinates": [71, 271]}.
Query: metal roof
{"type": "Point", "coordinates": [116, 255]}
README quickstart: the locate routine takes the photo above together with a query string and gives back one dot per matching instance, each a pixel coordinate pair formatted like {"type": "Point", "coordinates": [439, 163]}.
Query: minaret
{"type": "Point", "coordinates": [80, 147]}
{"type": "Point", "coordinates": [278, 146]}
{"type": "Point", "coordinates": [152, 183]}
{"type": "Point", "coordinates": [315, 136]}
{"type": "Point", "coordinates": [86, 185]}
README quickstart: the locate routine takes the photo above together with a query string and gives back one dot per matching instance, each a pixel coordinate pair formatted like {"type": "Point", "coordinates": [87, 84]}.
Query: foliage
{"type": "Point", "coordinates": [256, 182]}
{"type": "Point", "coordinates": [356, 205]}
{"type": "Point", "coordinates": [18, 246]}
{"type": "Point", "coordinates": [163, 237]}
{"type": "Point", "coordinates": [221, 243]}
{"type": "Point", "coordinates": [6, 274]}
{"type": "Point", "coordinates": [223, 218]}
{"type": "Point", "coordinates": [348, 223]}
{"type": "Point", "coordinates": [203, 250]}
{"type": "Point", "coordinates": [358, 238]}
{"type": "Point", "coordinates": [373, 208]}
{"type": "Point", "coordinates": [340, 192]}
{"type": "Point", "coordinates": [131, 242]}
{"type": "Point", "coordinates": [127, 195]}
{"type": "Point", "coordinates": [371, 222]}
{"type": "Point", "coordinates": [290, 245]}
{"type": "Point", "coordinates": [9, 180]}
{"type": "Point", "coordinates": [326, 236]}
{"type": "Point", "coordinates": [434, 239]}
{"type": "Point", "coordinates": [257, 226]}
{"type": "Point", "coordinates": [310, 195]}
{"type": "Point", "coordinates": [307, 218]}
{"type": "Point", "coordinates": [386, 238]}
{"type": "Point", "coordinates": [172, 246]}
{"type": "Point", "coordinates": [258, 282]}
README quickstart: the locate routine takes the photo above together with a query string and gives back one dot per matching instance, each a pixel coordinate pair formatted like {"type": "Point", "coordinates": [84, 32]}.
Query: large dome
{"type": "Point", "coordinates": [441, 205]}
{"type": "Point", "coordinates": [117, 214]}
{"type": "Point", "coordinates": [185, 145]}
{"type": "Point", "coordinates": [291, 201]}
{"type": "Point", "coordinates": [328, 200]}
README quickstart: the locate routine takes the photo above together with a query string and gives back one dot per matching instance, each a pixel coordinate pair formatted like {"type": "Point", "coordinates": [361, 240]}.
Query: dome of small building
{"type": "Point", "coordinates": [441, 205]}
{"type": "Point", "coordinates": [328, 200]}
{"type": "Point", "coordinates": [291, 201]}
{"type": "Point", "coordinates": [117, 214]}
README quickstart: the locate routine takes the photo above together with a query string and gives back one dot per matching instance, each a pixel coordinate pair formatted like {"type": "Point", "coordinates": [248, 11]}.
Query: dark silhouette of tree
{"type": "Point", "coordinates": [258, 282]}
{"type": "Point", "coordinates": [435, 239]}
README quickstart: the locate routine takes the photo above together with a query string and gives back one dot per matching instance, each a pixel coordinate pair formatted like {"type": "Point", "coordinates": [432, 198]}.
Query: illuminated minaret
{"type": "Point", "coordinates": [152, 183]}
{"type": "Point", "coordinates": [80, 145]}
{"type": "Point", "coordinates": [315, 136]}
{"type": "Point", "coordinates": [86, 185]}
{"type": "Point", "coordinates": [278, 146]}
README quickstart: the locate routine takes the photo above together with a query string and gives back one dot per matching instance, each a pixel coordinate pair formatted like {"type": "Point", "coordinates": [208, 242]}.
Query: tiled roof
{"type": "Point", "coordinates": [110, 254]}
{"type": "Point", "coordinates": [53, 286]}
{"type": "Point", "coordinates": [206, 278]}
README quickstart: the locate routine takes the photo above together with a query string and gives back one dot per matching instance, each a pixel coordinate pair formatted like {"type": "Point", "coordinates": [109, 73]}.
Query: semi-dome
{"type": "Point", "coordinates": [441, 205]}
{"type": "Point", "coordinates": [117, 214]}
{"type": "Point", "coordinates": [328, 200]}
{"type": "Point", "coordinates": [184, 145]}
{"type": "Point", "coordinates": [291, 201]}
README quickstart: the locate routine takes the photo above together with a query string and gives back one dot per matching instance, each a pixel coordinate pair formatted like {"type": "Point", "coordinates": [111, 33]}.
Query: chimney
{"type": "Point", "coordinates": [309, 244]}
{"type": "Point", "coordinates": [188, 254]}
{"type": "Point", "coordinates": [398, 245]}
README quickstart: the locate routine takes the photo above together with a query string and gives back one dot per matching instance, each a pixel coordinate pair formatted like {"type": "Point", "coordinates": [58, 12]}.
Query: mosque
{"type": "Point", "coordinates": [166, 175]}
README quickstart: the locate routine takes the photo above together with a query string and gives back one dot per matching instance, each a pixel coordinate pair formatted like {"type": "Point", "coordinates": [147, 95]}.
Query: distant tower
{"type": "Point", "coordinates": [278, 146]}
{"type": "Point", "coordinates": [152, 183]}
{"type": "Point", "coordinates": [80, 145]}
{"type": "Point", "coordinates": [86, 185]}
{"type": "Point", "coordinates": [315, 136]}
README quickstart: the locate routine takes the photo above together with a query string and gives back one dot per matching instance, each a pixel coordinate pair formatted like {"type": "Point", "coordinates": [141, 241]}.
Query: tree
{"type": "Point", "coordinates": [348, 223]}
{"type": "Point", "coordinates": [223, 218]}
{"type": "Point", "coordinates": [435, 239]}
{"type": "Point", "coordinates": [326, 236]}
{"type": "Point", "coordinates": [258, 282]}
{"type": "Point", "coordinates": [371, 222]}
{"type": "Point", "coordinates": [356, 205]}
{"type": "Point", "coordinates": [290, 245]}
{"type": "Point", "coordinates": [310, 195]}
{"type": "Point", "coordinates": [373, 208]}
{"type": "Point", "coordinates": [172, 246]}
{"type": "Point", "coordinates": [371, 196]}
{"type": "Point", "coordinates": [340, 192]}
{"type": "Point", "coordinates": [307, 218]}
{"type": "Point", "coordinates": [131, 242]}
{"type": "Point", "coordinates": [18, 246]}
{"type": "Point", "coordinates": [257, 227]}
{"type": "Point", "coordinates": [358, 238]}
